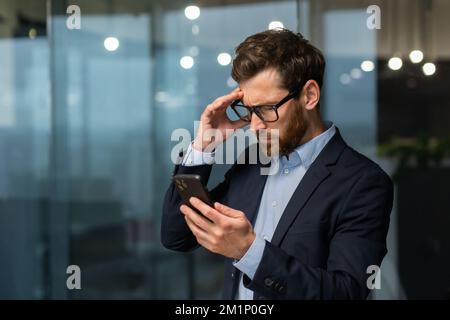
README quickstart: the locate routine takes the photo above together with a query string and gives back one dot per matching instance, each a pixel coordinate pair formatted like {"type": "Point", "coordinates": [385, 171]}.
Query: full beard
{"type": "Point", "coordinates": [289, 139]}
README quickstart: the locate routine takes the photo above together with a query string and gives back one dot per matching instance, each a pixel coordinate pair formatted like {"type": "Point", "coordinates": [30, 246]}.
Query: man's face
{"type": "Point", "coordinates": [265, 89]}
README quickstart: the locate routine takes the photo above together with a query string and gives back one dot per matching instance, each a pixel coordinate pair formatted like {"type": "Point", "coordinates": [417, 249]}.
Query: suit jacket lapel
{"type": "Point", "coordinates": [253, 188]}
{"type": "Point", "coordinates": [313, 177]}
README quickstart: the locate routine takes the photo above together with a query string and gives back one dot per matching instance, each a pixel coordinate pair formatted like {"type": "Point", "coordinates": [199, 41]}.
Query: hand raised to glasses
{"type": "Point", "coordinates": [214, 117]}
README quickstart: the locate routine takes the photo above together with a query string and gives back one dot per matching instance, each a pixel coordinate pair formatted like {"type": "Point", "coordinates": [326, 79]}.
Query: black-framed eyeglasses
{"type": "Point", "coordinates": [267, 113]}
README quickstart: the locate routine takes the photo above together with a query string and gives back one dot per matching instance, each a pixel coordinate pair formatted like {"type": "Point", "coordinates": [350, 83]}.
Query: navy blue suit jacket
{"type": "Point", "coordinates": [333, 228]}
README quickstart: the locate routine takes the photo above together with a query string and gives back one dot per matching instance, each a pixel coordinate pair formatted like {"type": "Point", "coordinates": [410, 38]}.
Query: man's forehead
{"type": "Point", "coordinates": [265, 87]}
{"type": "Point", "coordinates": [256, 96]}
{"type": "Point", "coordinates": [265, 78]}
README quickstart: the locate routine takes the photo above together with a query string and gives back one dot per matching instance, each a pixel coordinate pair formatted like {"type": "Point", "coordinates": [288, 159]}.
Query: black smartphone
{"type": "Point", "coordinates": [190, 185]}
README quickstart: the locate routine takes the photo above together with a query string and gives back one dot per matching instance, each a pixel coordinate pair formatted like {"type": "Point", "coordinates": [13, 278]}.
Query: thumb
{"type": "Point", "coordinates": [230, 212]}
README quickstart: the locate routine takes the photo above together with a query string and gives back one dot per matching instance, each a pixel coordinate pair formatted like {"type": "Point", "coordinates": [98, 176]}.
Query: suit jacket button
{"type": "Point", "coordinates": [268, 282]}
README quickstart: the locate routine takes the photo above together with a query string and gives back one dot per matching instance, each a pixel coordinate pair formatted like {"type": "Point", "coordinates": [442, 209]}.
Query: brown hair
{"type": "Point", "coordinates": [295, 59]}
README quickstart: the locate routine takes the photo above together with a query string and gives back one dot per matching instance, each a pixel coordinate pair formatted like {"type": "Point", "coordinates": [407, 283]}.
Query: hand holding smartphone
{"type": "Point", "coordinates": [190, 185]}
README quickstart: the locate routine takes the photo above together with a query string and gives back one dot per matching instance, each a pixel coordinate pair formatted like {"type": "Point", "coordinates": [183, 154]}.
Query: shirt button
{"type": "Point", "coordinates": [266, 238]}
{"type": "Point", "coordinates": [274, 203]}
{"type": "Point", "coordinates": [286, 171]}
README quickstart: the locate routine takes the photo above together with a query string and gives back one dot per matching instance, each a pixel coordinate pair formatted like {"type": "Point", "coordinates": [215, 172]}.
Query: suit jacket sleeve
{"type": "Point", "coordinates": [175, 234]}
{"type": "Point", "coordinates": [359, 241]}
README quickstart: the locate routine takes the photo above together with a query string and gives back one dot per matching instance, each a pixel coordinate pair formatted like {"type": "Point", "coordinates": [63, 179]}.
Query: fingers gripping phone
{"type": "Point", "coordinates": [190, 185]}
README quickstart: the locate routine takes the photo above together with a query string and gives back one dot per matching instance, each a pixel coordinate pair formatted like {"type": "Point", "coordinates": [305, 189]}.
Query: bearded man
{"type": "Point", "coordinates": [312, 229]}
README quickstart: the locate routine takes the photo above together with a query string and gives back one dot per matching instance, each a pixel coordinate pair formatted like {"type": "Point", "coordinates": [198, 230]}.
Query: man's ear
{"type": "Point", "coordinates": [311, 94]}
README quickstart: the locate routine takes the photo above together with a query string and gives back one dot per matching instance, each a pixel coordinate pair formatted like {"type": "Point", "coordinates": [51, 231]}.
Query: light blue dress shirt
{"type": "Point", "coordinates": [276, 195]}
{"type": "Point", "coordinates": [277, 192]}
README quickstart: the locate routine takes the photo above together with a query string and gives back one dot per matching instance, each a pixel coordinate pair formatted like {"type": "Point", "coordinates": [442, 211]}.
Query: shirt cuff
{"type": "Point", "coordinates": [195, 157]}
{"type": "Point", "coordinates": [249, 263]}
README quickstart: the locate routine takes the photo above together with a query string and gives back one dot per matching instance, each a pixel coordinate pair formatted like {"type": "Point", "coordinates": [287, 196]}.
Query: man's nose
{"type": "Point", "coordinates": [256, 123]}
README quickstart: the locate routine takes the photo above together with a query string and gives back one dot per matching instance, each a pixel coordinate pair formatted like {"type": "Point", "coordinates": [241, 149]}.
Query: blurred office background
{"type": "Point", "coordinates": [86, 118]}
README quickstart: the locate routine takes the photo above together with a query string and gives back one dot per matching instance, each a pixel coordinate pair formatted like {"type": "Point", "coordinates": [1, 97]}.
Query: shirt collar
{"type": "Point", "coordinates": [306, 153]}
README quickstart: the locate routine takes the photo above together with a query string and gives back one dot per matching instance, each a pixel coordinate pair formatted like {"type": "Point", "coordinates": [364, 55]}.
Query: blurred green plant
{"type": "Point", "coordinates": [422, 152]}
